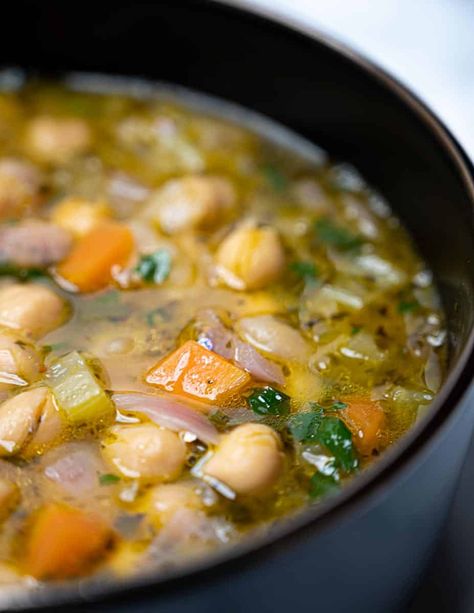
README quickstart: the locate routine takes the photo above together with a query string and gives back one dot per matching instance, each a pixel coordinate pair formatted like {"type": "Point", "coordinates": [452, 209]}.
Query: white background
{"type": "Point", "coordinates": [427, 44]}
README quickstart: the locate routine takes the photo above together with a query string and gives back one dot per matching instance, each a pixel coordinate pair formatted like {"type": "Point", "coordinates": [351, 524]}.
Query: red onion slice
{"type": "Point", "coordinates": [216, 337]}
{"type": "Point", "coordinates": [168, 413]}
{"type": "Point", "coordinates": [75, 467]}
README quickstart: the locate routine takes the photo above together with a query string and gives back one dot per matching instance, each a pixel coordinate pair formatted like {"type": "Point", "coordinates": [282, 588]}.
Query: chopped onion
{"type": "Point", "coordinates": [75, 467]}
{"type": "Point", "coordinates": [433, 374]}
{"type": "Point", "coordinates": [275, 337]}
{"type": "Point", "coordinates": [327, 301]}
{"type": "Point", "coordinates": [168, 413]}
{"type": "Point", "coordinates": [382, 271]}
{"type": "Point", "coordinates": [34, 243]}
{"type": "Point", "coordinates": [362, 346]}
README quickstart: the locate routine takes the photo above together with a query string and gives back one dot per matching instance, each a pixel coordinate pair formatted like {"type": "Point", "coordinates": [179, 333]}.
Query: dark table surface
{"type": "Point", "coordinates": [449, 582]}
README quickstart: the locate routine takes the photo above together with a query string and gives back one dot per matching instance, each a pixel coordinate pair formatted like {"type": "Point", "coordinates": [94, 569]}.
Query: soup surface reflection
{"type": "Point", "coordinates": [201, 331]}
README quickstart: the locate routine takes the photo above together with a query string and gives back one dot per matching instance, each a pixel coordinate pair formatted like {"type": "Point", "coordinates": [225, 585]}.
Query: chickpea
{"type": "Point", "coordinates": [250, 258]}
{"type": "Point", "coordinates": [20, 184]}
{"type": "Point", "coordinates": [34, 309]}
{"type": "Point", "coordinates": [23, 417]}
{"type": "Point", "coordinates": [249, 459]}
{"type": "Point", "coordinates": [79, 216]}
{"type": "Point", "coordinates": [166, 499]}
{"type": "Point", "coordinates": [50, 426]}
{"type": "Point", "coordinates": [19, 361]}
{"type": "Point", "coordinates": [145, 451]}
{"type": "Point", "coordinates": [191, 203]}
{"type": "Point", "coordinates": [56, 140]}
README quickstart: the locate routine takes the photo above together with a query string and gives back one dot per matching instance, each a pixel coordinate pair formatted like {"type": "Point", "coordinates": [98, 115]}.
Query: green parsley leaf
{"type": "Point", "coordinates": [108, 479]}
{"type": "Point", "coordinates": [323, 485]}
{"type": "Point", "coordinates": [274, 177]}
{"type": "Point", "coordinates": [337, 438]}
{"type": "Point", "coordinates": [269, 401]}
{"type": "Point", "coordinates": [304, 426]}
{"type": "Point", "coordinates": [330, 233]}
{"type": "Point", "coordinates": [154, 267]}
{"type": "Point", "coordinates": [306, 270]}
{"type": "Point", "coordinates": [355, 330]}
{"type": "Point", "coordinates": [408, 306]}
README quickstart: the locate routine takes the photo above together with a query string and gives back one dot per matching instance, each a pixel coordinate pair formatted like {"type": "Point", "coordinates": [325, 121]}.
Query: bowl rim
{"type": "Point", "coordinates": [369, 486]}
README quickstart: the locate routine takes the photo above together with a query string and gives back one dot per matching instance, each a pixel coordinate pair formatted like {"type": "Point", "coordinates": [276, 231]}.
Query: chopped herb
{"type": "Point", "coordinates": [304, 426]}
{"type": "Point", "coordinates": [269, 401]}
{"type": "Point", "coordinates": [337, 438]}
{"type": "Point", "coordinates": [408, 306]}
{"type": "Point", "coordinates": [106, 305]}
{"type": "Point", "coordinates": [158, 314]}
{"type": "Point", "coordinates": [154, 267]}
{"type": "Point", "coordinates": [336, 236]}
{"type": "Point", "coordinates": [55, 347]}
{"type": "Point", "coordinates": [23, 274]}
{"type": "Point", "coordinates": [338, 406]}
{"type": "Point", "coordinates": [219, 419]}
{"type": "Point", "coordinates": [108, 479]}
{"type": "Point", "coordinates": [355, 330]}
{"type": "Point", "coordinates": [306, 270]}
{"type": "Point", "coordinates": [275, 177]}
{"type": "Point", "coordinates": [323, 485]}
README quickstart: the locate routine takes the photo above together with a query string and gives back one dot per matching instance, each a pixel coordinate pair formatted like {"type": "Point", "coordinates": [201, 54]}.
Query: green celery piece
{"type": "Point", "coordinates": [77, 391]}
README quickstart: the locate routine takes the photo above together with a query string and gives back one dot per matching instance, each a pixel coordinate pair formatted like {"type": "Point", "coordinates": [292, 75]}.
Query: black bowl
{"type": "Point", "coordinates": [365, 550]}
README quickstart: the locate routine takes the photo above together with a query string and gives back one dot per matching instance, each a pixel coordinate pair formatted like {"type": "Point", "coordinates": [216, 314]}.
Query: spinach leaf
{"type": "Point", "coordinates": [323, 485]}
{"type": "Point", "coordinates": [269, 401]}
{"type": "Point", "coordinates": [154, 267]}
{"type": "Point", "coordinates": [337, 438]}
{"type": "Point", "coordinates": [336, 236]}
{"type": "Point", "coordinates": [305, 270]}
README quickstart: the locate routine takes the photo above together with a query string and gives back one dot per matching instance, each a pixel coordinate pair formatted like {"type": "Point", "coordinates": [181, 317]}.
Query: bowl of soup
{"type": "Point", "coordinates": [236, 301]}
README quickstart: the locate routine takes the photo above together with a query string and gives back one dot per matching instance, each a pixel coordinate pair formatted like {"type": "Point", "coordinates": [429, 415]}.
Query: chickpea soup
{"type": "Point", "coordinates": [202, 330]}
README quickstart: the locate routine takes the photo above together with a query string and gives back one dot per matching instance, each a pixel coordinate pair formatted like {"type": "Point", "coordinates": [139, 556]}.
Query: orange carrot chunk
{"type": "Point", "coordinates": [194, 371]}
{"type": "Point", "coordinates": [64, 542]}
{"type": "Point", "coordinates": [365, 419]}
{"type": "Point", "coordinates": [89, 265]}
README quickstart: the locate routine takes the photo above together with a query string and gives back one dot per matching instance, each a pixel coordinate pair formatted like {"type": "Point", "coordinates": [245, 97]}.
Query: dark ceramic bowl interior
{"type": "Point", "coordinates": [333, 98]}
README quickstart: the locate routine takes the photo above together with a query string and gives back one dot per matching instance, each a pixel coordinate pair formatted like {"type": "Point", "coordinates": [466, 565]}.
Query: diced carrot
{"type": "Point", "coordinates": [89, 265]}
{"type": "Point", "coordinates": [64, 542]}
{"type": "Point", "coordinates": [194, 371]}
{"type": "Point", "coordinates": [365, 419]}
